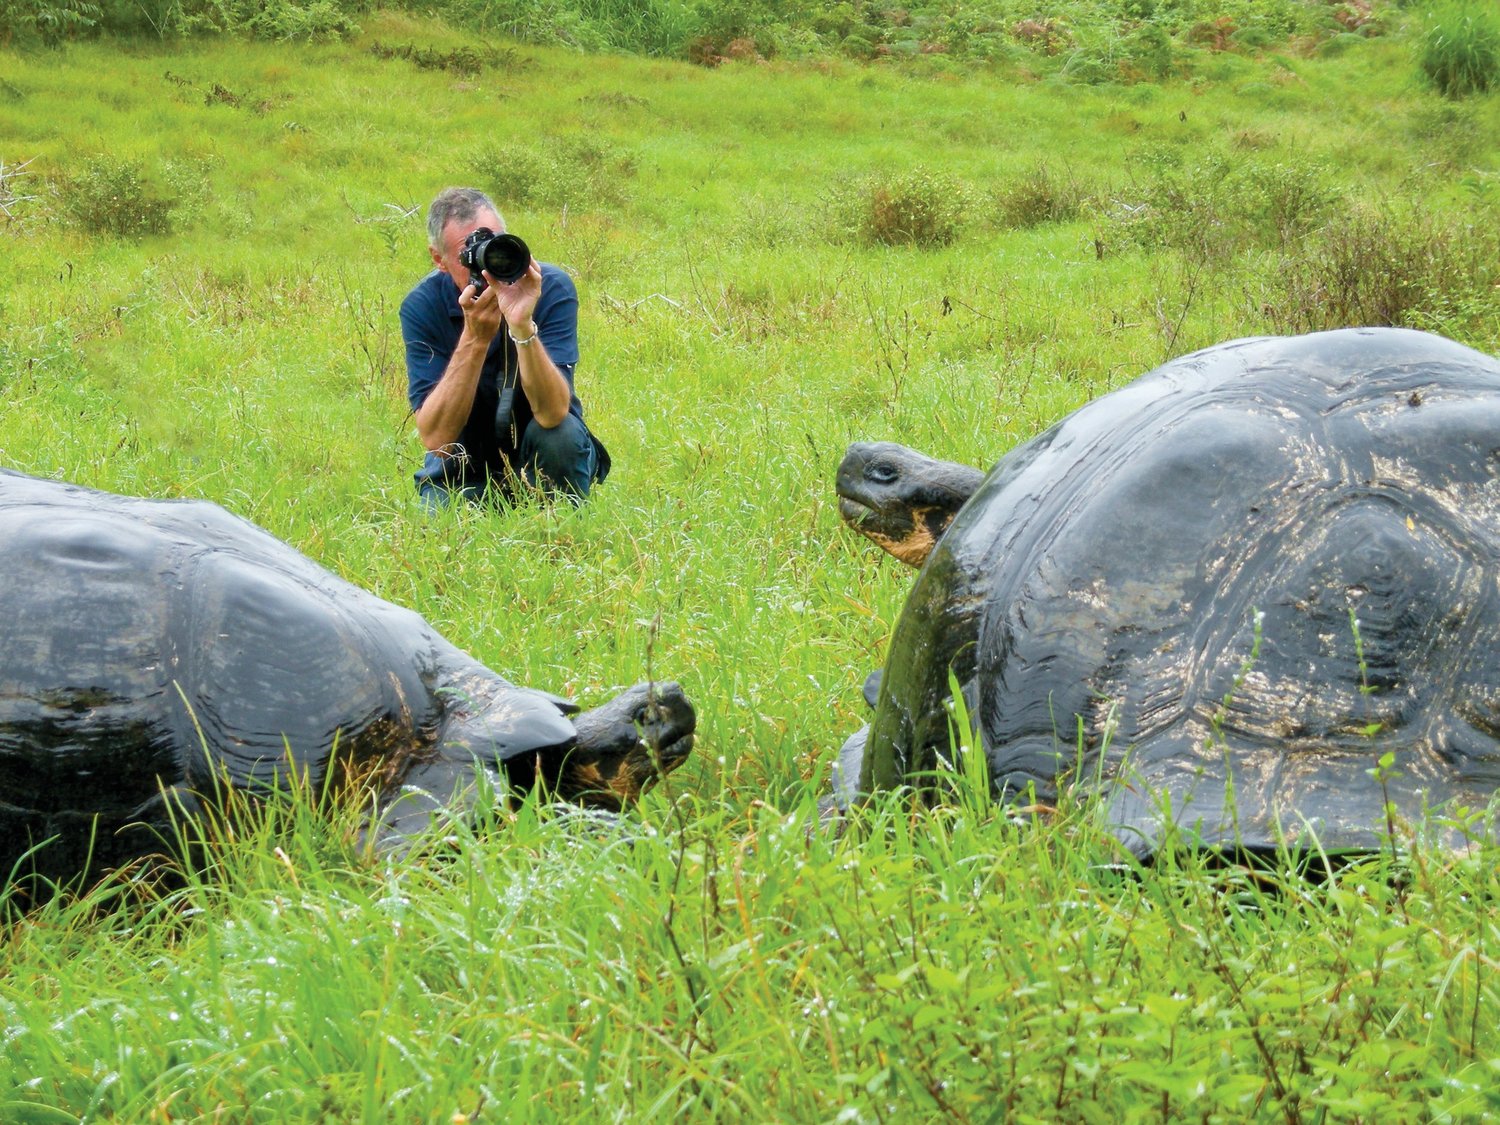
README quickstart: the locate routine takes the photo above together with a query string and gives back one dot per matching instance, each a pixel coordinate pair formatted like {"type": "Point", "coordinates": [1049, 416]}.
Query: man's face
{"type": "Point", "coordinates": [454, 234]}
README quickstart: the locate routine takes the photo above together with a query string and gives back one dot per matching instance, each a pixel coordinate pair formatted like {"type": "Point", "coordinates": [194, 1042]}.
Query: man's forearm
{"type": "Point", "coordinates": [541, 381]}
{"type": "Point", "coordinates": [444, 413]}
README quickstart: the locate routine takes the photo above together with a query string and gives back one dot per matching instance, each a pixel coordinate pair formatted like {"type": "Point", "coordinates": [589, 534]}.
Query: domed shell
{"type": "Point", "coordinates": [1221, 594]}
{"type": "Point", "coordinates": [161, 648]}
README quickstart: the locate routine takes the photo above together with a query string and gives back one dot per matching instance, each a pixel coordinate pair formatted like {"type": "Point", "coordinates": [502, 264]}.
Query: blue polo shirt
{"type": "Point", "coordinates": [431, 324]}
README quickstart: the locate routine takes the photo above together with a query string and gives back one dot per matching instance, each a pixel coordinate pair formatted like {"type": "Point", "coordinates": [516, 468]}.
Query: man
{"type": "Point", "coordinates": [490, 371]}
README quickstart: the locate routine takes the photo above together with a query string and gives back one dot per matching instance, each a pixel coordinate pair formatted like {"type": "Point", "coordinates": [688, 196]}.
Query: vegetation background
{"type": "Point", "coordinates": [792, 225]}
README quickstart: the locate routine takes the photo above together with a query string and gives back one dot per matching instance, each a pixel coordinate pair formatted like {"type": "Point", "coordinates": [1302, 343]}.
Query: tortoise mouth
{"type": "Point", "coordinates": [853, 511]}
{"type": "Point", "coordinates": [673, 753]}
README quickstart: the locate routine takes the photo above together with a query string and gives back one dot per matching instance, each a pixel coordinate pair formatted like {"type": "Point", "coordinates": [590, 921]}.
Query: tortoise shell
{"type": "Point", "coordinates": [1220, 595]}
{"type": "Point", "coordinates": [156, 651]}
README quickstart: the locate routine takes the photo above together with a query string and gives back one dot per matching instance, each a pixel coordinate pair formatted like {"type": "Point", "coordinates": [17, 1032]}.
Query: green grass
{"type": "Point", "coordinates": [1461, 49]}
{"type": "Point", "coordinates": [722, 960]}
{"type": "Point", "coordinates": [736, 964]}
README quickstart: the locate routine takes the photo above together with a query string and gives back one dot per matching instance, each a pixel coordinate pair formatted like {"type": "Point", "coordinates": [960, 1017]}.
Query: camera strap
{"type": "Point", "coordinates": [505, 405]}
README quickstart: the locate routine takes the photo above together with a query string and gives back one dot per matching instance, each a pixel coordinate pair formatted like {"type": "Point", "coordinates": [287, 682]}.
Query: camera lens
{"type": "Point", "coordinates": [506, 258]}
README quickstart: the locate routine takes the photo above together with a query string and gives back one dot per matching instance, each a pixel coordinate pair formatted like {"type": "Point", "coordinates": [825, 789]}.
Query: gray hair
{"type": "Point", "coordinates": [456, 205]}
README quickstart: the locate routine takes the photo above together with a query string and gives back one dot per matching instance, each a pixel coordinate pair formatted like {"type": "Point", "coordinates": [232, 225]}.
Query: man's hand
{"type": "Point", "coordinates": [482, 315]}
{"type": "Point", "coordinates": [517, 301]}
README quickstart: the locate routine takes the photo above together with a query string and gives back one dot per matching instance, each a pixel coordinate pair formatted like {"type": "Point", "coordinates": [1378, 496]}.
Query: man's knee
{"type": "Point", "coordinates": [562, 458]}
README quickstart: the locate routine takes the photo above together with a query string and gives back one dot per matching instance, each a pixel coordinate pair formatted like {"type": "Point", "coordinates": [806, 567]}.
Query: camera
{"type": "Point", "coordinates": [505, 256]}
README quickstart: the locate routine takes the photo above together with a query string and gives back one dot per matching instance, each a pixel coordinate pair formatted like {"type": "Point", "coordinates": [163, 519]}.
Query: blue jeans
{"type": "Point", "coordinates": [565, 460]}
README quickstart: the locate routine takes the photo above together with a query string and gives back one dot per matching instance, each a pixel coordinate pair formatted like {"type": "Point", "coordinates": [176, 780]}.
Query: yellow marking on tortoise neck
{"type": "Point", "coordinates": [586, 781]}
{"type": "Point", "coordinates": [912, 549]}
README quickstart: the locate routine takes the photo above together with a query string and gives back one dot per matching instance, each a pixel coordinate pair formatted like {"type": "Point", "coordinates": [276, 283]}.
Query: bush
{"type": "Point", "coordinates": [48, 21]}
{"type": "Point", "coordinates": [1217, 205]}
{"type": "Point", "coordinates": [119, 197]}
{"type": "Point", "coordinates": [1103, 40]}
{"type": "Point", "coordinates": [1287, 199]}
{"type": "Point", "coordinates": [919, 207]}
{"type": "Point", "coordinates": [1387, 266]}
{"type": "Point", "coordinates": [573, 172]}
{"type": "Point", "coordinates": [1460, 48]}
{"type": "Point", "coordinates": [279, 20]}
{"type": "Point", "coordinates": [1040, 196]}
{"type": "Point", "coordinates": [53, 21]}
{"type": "Point", "coordinates": [113, 196]}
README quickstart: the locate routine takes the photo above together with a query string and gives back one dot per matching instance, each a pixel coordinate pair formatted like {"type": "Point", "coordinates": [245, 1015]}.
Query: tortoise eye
{"type": "Point", "coordinates": [881, 472]}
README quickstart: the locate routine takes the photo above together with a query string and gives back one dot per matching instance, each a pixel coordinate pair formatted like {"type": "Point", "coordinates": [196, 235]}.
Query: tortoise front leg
{"type": "Point", "coordinates": [438, 792]}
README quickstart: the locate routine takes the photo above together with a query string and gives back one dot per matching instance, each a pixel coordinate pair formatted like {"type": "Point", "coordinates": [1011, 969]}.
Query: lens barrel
{"type": "Point", "coordinates": [506, 258]}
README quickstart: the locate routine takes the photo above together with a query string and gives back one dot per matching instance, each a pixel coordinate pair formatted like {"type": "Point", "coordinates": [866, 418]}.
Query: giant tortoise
{"type": "Point", "coordinates": [156, 652]}
{"type": "Point", "coordinates": [1218, 597]}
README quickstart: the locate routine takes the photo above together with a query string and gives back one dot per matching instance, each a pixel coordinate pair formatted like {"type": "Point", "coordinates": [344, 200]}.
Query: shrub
{"type": "Point", "coordinates": [1460, 48]}
{"type": "Point", "coordinates": [1148, 51]}
{"type": "Point", "coordinates": [1217, 205]}
{"type": "Point", "coordinates": [52, 21]}
{"type": "Point", "coordinates": [575, 172]}
{"type": "Point", "coordinates": [161, 18]}
{"type": "Point", "coordinates": [1386, 266]}
{"type": "Point", "coordinates": [1166, 203]}
{"type": "Point", "coordinates": [1288, 199]}
{"type": "Point", "coordinates": [1040, 196]}
{"type": "Point", "coordinates": [280, 20]}
{"type": "Point", "coordinates": [466, 60]}
{"type": "Point", "coordinates": [114, 196]}
{"type": "Point", "coordinates": [120, 197]}
{"type": "Point", "coordinates": [1104, 40]}
{"type": "Point", "coordinates": [49, 21]}
{"type": "Point", "coordinates": [918, 207]}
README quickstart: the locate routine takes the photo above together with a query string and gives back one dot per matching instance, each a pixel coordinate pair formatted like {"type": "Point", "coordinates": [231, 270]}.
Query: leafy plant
{"type": "Point", "coordinates": [468, 59]}
{"type": "Point", "coordinates": [1460, 48]}
{"type": "Point", "coordinates": [919, 207]}
{"type": "Point", "coordinates": [574, 172]}
{"type": "Point", "coordinates": [1384, 265]}
{"type": "Point", "coordinates": [120, 197]}
{"type": "Point", "coordinates": [114, 196]}
{"type": "Point", "coordinates": [278, 20]}
{"type": "Point", "coordinates": [50, 21]}
{"type": "Point", "coordinates": [1216, 205]}
{"type": "Point", "coordinates": [1038, 196]}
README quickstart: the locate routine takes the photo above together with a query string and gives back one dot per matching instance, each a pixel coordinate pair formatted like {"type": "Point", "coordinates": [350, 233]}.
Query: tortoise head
{"type": "Point", "coordinates": [900, 499]}
{"type": "Point", "coordinates": [625, 746]}
{"type": "Point", "coordinates": [603, 759]}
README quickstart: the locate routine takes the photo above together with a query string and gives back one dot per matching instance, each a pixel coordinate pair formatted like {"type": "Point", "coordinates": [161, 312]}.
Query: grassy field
{"type": "Point", "coordinates": [202, 248]}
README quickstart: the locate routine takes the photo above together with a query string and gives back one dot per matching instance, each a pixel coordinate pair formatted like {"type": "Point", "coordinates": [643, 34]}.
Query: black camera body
{"type": "Point", "coordinates": [505, 256]}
